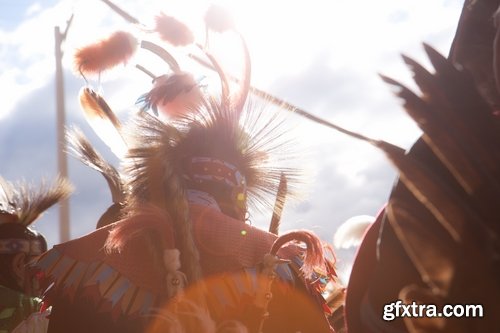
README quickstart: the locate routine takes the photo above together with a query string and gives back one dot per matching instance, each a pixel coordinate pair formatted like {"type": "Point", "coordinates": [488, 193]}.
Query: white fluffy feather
{"type": "Point", "coordinates": [351, 232]}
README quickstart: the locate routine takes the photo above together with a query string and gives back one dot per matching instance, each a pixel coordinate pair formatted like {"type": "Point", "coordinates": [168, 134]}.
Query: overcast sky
{"type": "Point", "coordinates": [322, 56]}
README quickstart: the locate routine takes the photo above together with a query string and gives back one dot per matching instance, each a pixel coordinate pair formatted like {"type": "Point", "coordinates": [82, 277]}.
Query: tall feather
{"type": "Point", "coordinates": [83, 150]}
{"type": "Point", "coordinates": [218, 19]}
{"type": "Point", "coordinates": [225, 91]}
{"type": "Point", "coordinates": [278, 205]}
{"type": "Point", "coordinates": [239, 99]}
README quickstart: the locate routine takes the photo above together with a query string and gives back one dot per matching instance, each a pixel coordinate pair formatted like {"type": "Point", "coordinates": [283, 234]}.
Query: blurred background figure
{"type": "Point", "coordinates": [20, 206]}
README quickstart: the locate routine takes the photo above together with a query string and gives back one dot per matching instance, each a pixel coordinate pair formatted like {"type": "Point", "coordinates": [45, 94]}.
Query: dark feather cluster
{"type": "Point", "coordinates": [444, 210]}
{"type": "Point", "coordinates": [169, 88]}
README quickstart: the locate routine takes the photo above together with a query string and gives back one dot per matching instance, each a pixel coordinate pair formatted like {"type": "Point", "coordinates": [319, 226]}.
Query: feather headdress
{"type": "Point", "coordinates": [222, 145]}
{"type": "Point", "coordinates": [24, 204]}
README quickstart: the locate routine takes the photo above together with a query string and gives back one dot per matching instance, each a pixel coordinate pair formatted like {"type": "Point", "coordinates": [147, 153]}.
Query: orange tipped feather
{"type": "Point", "coordinates": [105, 54]}
{"type": "Point", "coordinates": [173, 31]}
{"type": "Point", "coordinates": [103, 120]}
{"type": "Point", "coordinates": [315, 259]}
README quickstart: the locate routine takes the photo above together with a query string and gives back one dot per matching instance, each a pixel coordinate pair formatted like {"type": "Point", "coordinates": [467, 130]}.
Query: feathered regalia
{"type": "Point", "coordinates": [173, 252]}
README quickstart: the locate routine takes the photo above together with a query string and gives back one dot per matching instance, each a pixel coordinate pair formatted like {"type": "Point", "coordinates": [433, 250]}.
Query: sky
{"type": "Point", "coordinates": [322, 56]}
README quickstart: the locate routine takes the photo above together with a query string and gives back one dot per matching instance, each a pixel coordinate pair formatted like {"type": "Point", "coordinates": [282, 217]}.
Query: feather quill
{"type": "Point", "coordinates": [239, 99]}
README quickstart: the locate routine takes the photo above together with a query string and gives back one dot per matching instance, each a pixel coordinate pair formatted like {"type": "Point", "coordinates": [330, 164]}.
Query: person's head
{"type": "Point", "coordinates": [220, 179]}
{"type": "Point", "coordinates": [19, 245]}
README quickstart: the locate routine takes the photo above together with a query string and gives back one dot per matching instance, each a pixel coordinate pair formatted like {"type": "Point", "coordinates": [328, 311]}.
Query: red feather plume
{"type": "Point", "coordinates": [315, 258]}
{"type": "Point", "coordinates": [105, 54]}
{"type": "Point", "coordinates": [173, 31]}
{"type": "Point", "coordinates": [218, 19]}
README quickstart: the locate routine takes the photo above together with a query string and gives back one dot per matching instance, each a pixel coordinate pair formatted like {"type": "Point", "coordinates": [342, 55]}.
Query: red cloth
{"type": "Point", "coordinates": [131, 261]}
{"type": "Point", "coordinates": [226, 244]}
